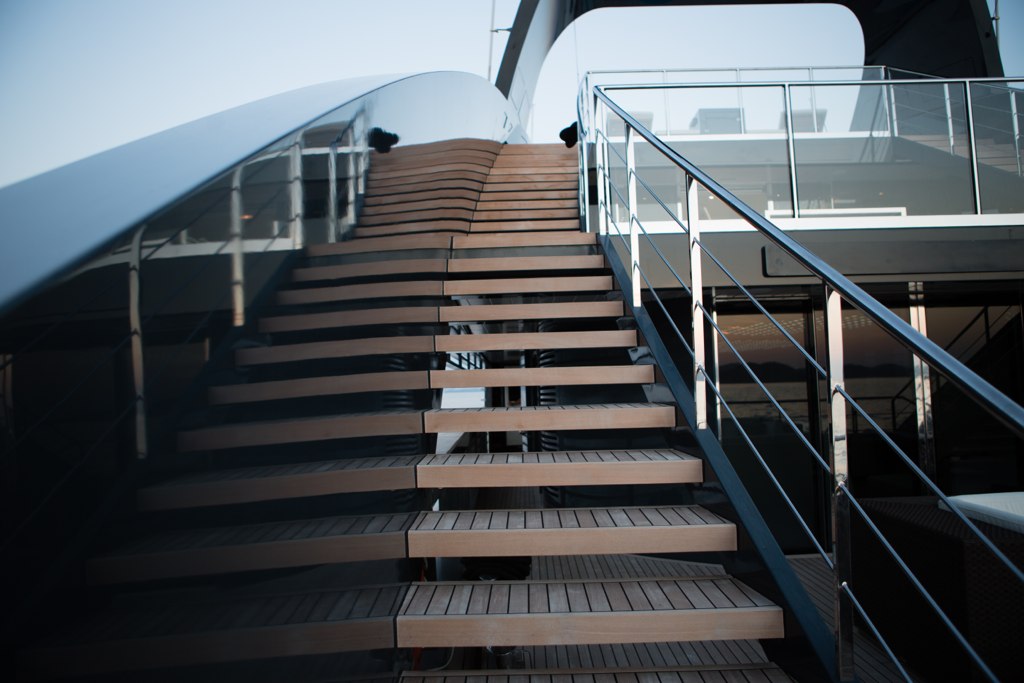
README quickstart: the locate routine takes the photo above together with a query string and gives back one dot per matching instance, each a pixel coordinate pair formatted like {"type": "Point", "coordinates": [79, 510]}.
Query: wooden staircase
{"type": "Point", "coordinates": [307, 498]}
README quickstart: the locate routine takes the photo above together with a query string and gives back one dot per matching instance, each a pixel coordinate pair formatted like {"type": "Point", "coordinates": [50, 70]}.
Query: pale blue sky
{"type": "Point", "coordinates": [80, 76]}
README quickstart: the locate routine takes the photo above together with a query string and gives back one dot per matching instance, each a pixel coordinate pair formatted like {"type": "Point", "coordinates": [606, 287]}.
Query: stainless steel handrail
{"type": "Point", "coordinates": [997, 403]}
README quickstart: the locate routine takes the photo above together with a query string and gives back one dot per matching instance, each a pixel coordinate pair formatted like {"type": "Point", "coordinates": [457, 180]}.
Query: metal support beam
{"type": "Point", "coordinates": [135, 322]}
{"type": "Point", "coordinates": [295, 194]}
{"type": "Point", "coordinates": [237, 251]}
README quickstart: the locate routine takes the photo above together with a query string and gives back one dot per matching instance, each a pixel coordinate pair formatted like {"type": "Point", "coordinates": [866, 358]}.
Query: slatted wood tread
{"type": "Point", "coordinates": [500, 533]}
{"type": "Point", "coordinates": [480, 241]}
{"type": "Point", "coordinates": [531, 418]}
{"type": "Point", "coordinates": [454, 614]}
{"type": "Point", "coordinates": [276, 482]}
{"type": "Point", "coordinates": [557, 468]}
{"type": "Point", "coordinates": [737, 673]}
{"type": "Point", "coordinates": [398, 315]}
{"type": "Point", "coordinates": [254, 547]}
{"type": "Point", "coordinates": [335, 385]}
{"type": "Point", "coordinates": [325, 428]}
{"type": "Point", "coordinates": [371, 346]}
{"type": "Point", "coordinates": [435, 288]}
{"type": "Point", "coordinates": [461, 470]}
{"type": "Point", "coordinates": [182, 633]}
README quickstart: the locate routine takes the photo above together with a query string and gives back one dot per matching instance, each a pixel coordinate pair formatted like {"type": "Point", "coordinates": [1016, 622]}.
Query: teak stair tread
{"type": "Point", "coordinates": [227, 630]}
{"type": "Point", "coordinates": [468, 533]}
{"type": "Point", "coordinates": [463, 470]}
{"type": "Point", "coordinates": [254, 547]}
{"type": "Point", "coordinates": [325, 428]}
{"type": "Point", "coordinates": [490, 264]}
{"type": "Point", "coordinates": [435, 288]}
{"type": "Point", "coordinates": [455, 614]}
{"type": "Point", "coordinates": [452, 343]}
{"type": "Point", "coordinates": [736, 673]}
{"type": "Point", "coordinates": [482, 241]}
{"type": "Point", "coordinates": [334, 385]}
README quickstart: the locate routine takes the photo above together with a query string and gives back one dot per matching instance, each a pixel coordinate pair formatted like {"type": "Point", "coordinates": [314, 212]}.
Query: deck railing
{"type": "Point", "coordinates": [619, 181]}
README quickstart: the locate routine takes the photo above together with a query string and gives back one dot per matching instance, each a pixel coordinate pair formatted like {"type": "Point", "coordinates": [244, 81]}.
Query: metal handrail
{"type": "Point", "coordinates": [837, 288]}
{"type": "Point", "coordinates": [997, 403]}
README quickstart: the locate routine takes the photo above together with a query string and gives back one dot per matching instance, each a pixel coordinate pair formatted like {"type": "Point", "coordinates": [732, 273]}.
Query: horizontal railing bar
{"type": "Point", "coordinates": [768, 470]}
{"type": "Point", "coordinates": [764, 389]}
{"type": "Point", "coordinates": [671, 320]}
{"type": "Point", "coordinates": [798, 346]}
{"type": "Point", "coordinates": [918, 585]}
{"type": "Point", "coordinates": [1011, 414]}
{"type": "Point", "coordinates": [932, 486]}
{"type": "Point", "coordinates": [845, 587]}
{"type": "Point", "coordinates": [802, 84]}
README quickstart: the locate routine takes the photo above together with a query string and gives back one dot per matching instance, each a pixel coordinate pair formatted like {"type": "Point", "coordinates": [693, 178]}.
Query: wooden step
{"type": "Point", "coordinates": [557, 468]}
{"type": "Point", "coordinates": [380, 244]}
{"type": "Point", "coordinates": [508, 184]}
{"type": "Point", "coordinates": [431, 160]}
{"type": "Point", "coordinates": [527, 203]}
{"type": "Point", "coordinates": [278, 482]}
{"type": "Point", "coordinates": [276, 432]}
{"type": "Point", "coordinates": [450, 227]}
{"type": "Point", "coordinates": [514, 240]}
{"type": "Point", "coordinates": [558, 311]}
{"type": "Point", "coordinates": [580, 531]}
{"type": "Point", "coordinates": [373, 290]}
{"type": "Point", "coordinates": [393, 208]}
{"type": "Point", "coordinates": [555, 148]}
{"type": "Point", "coordinates": [549, 176]}
{"type": "Point", "coordinates": [536, 418]}
{"type": "Point", "coordinates": [346, 348]}
{"type": "Point", "coordinates": [535, 160]}
{"type": "Point", "coordinates": [737, 673]}
{"type": "Point", "coordinates": [333, 385]}
{"type": "Point", "coordinates": [442, 194]}
{"type": "Point", "coordinates": [337, 385]}
{"type": "Point", "coordinates": [526, 225]}
{"type": "Point", "coordinates": [498, 264]}
{"type": "Point", "coordinates": [551, 376]}
{"type": "Point", "coordinates": [524, 214]}
{"type": "Point", "coordinates": [183, 633]}
{"type": "Point", "coordinates": [422, 216]}
{"type": "Point", "coordinates": [376, 183]}
{"type": "Point", "coordinates": [398, 315]}
{"type": "Point", "coordinates": [528, 285]}
{"type": "Point", "coordinates": [454, 343]}
{"type": "Point", "coordinates": [527, 341]}
{"type": "Point", "coordinates": [438, 471]}
{"type": "Point", "coordinates": [371, 269]}
{"type": "Point", "coordinates": [516, 613]}
{"type": "Point", "coordinates": [255, 547]}
{"type": "Point", "coordinates": [400, 171]}
{"type": "Point", "coordinates": [455, 144]}
{"type": "Point", "coordinates": [511, 196]}
{"type": "Point", "coordinates": [393, 188]}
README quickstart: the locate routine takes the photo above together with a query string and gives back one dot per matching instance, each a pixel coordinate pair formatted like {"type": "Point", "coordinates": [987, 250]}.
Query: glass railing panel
{"type": "Point", "coordinates": [998, 117]}
{"type": "Point", "coordinates": [869, 157]}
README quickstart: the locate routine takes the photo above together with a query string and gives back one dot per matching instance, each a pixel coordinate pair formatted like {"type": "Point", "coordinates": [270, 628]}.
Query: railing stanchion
{"type": "Point", "coordinates": [949, 119]}
{"type": "Point", "coordinates": [138, 367]}
{"type": "Point", "coordinates": [237, 251]}
{"type": "Point", "coordinates": [697, 293]}
{"type": "Point", "coordinates": [332, 192]}
{"type": "Point", "coordinates": [295, 194]}
{"type": "Point", "coordinates": [973, 147]}
{"type": "Point", "coordinates": [634, 237]}
{"type": "Point", "coordinates": [1016, 131]}
{"type": "Point", "coordinates": [791, 149]}
{"type": "Point", "coordinates": [838, 463]}
{"type": "Point", "coordinates": [600, 170]}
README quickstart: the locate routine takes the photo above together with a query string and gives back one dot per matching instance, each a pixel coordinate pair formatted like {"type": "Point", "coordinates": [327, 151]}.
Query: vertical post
{"type": "Point", "coordinates": [600, 170]}
{"type": "Point", "coordinates": [974, 148]}
{"type": "Point", "coordinates": [949, 119]}
{"type": "Point", "coordinates": [135, 321]}
{"type": "Point", "coordinates": [892, 106]}
{"type": "Point", "coordinates": [791, 148]}
{"type": "Point", "coordinates": [838, 464]}
{"type": "Point", "coordinates": [1016, 131]}
{"type": "Point", "coordinates": [353, 171]}
{"type": "Point", "coordinates": [237, 251]}
{"type": "Point", "coordinates": [716, 368]}
{"type": "Point", "coordinates": [700, 395]}
{"type": "Point", "coordinates": [295, 193]}
{"type": "Point", "coordinates": [634, 238]}
{"type": "Point", "coordinates": [332, 192]}
{"type": "Point", "coordinates": [922, 387]}
{"type": "Point", "coordinates": [584, 193]}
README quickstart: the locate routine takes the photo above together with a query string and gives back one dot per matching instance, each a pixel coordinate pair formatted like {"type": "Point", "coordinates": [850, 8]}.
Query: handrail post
{"type": "Point", "coordinates": [1016, 131]}
{"type": "Point", "coordinates": [949, 119]}
{"type": "Point", "coordinates": [973, 147]}
{"type": "Point", "coordinates": [135, 321]}
{"type": "Point", "coordinates": [600, 171]}
{"type": "Point", "coordinates": [791, 148]}
{"type": "Point", "coordinates": [700, 395]}
{"type": "Point", "coordinates": [237, 251]}
{"type": "Point", "coordinates": [839, 466]}
{"type": "Point", "coordinates": [295, 193]}
{"type": "Point", "coordinates": [634, 238]}
{"type": "Point", "coordinates": [332, 192]}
